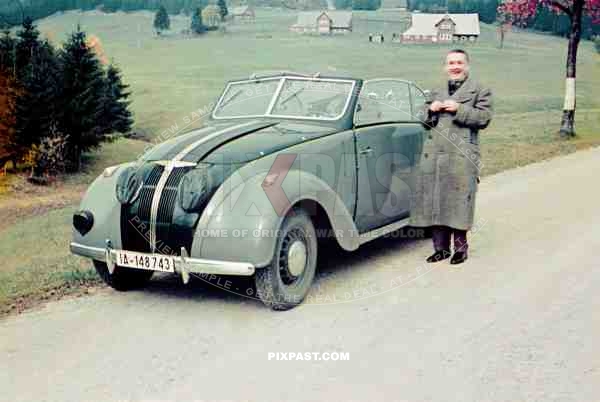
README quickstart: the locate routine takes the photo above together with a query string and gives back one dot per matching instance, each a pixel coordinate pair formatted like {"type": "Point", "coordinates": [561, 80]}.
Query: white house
{"type": "Point", "coordinates": [442, 28]}
{"type": "Point", "coordinates": [323, 22]}
{"type": "Point", "coordinates": [243, 13]}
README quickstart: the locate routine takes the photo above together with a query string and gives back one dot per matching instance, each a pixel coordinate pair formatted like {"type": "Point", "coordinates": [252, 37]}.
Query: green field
{"type": "Point", "coordinates": [175, 75]}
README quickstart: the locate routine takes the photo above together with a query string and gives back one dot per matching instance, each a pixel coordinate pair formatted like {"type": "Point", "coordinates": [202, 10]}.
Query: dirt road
{"type": "Point", "coordinates": [518, 322]}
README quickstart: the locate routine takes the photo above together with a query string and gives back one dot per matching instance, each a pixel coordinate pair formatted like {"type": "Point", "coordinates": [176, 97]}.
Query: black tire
{"type": "Point", "coordinates": [276, 286]}
{"type": "Point", "coordinates": [123, 279]}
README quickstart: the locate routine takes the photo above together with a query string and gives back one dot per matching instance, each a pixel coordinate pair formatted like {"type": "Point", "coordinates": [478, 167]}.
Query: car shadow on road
{"type": "Point", "coordinates": [332, 262]}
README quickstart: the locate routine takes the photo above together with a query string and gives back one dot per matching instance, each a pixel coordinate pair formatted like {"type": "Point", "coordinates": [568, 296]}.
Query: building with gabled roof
{"type": "Point", "coordinates": [323, 22]}
{"type": "Point", "coordinates": [243, 13]}
{"type": "Point", "coordinates": [440, 28]}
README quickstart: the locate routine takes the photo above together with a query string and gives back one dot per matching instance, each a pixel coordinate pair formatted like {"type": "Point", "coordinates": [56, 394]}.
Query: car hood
{"type": "Point", "coordinates": [236, 142]}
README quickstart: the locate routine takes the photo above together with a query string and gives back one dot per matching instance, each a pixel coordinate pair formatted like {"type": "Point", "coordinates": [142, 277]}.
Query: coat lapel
{"type": "Point", "coordinates": [465, 91]}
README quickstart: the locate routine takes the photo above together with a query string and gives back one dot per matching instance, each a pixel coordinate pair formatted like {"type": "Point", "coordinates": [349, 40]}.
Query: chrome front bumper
{"type": "Point", "coordinates": [184, 265]}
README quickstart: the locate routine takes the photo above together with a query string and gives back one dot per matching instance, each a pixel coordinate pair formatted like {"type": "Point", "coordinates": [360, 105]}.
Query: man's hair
{"type": "Point", "coordinates": [461, 52]}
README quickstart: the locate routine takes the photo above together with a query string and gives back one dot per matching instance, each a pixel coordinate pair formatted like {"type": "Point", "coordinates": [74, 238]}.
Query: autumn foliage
{"type": "Point", "coordinates": [8, 118]}
{"type": "Point", "coordinates": [56, 104]}
{"type": "Point", "coordinates": [522, 11]}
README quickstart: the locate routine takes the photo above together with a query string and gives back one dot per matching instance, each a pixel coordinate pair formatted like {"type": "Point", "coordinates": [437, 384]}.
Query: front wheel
{"type": "Point", "coordinates": [122, 279]}
{"type": "Point", "coordinates": [286, 281]}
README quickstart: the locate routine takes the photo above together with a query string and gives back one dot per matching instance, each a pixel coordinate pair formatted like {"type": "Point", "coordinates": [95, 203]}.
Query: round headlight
{"type": "Point", "coordinates": [194, 189]}
{"type": "Point", "coordinates": [129, 183]}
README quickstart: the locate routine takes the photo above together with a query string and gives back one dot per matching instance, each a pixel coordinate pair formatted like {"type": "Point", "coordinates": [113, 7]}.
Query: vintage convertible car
{"type": "Point", "coordinates": [285, 163]}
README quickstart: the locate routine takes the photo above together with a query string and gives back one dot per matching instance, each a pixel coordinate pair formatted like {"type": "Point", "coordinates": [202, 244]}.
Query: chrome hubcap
{"type": "Point", "coordinates": [296, 257]}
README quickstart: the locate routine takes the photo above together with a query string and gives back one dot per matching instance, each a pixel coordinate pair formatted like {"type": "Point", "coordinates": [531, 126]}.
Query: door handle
{"type": "Point", "coordinates": [366, 151]}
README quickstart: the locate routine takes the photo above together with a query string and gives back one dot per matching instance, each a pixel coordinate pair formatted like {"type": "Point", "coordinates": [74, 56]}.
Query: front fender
{"type": "Point", "coordinates": [100, 199]}
{"type": "Point", "coordinates": [240, 223]}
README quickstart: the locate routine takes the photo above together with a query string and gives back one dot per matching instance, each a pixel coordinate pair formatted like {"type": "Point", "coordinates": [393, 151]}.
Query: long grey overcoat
{"type": "Point", "coordinates": [447, 174]}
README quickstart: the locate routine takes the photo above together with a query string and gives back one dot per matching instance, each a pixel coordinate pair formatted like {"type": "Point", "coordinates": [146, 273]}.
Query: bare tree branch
{"type": "Point", "coordinates": [562, 7]}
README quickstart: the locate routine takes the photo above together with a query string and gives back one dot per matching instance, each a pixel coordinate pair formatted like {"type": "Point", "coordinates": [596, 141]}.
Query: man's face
{"type": "Point", "coordinates": [457, 66]}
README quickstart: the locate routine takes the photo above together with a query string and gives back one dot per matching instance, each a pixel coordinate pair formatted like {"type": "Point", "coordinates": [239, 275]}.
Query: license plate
{"type": "Point", "coordinates": [151, 262]}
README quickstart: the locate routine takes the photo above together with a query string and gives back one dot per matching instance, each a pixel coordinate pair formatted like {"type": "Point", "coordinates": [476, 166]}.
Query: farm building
{"type": "Point", "coordinates": [211, 16]}
{"type": "Point", "coordinates": [323, 22]}
{"type": "Point", "coordinates": [243, 13]}
{"type": "Point", "coordinates": [441, 28]}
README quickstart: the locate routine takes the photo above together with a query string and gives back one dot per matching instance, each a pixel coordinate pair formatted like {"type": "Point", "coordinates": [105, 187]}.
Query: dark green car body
{"type": "Point", "coordinates": [350, 163]}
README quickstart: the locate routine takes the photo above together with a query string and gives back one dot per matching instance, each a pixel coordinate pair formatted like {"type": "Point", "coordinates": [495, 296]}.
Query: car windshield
{"type": "Point", "coordinates": [285, 97]}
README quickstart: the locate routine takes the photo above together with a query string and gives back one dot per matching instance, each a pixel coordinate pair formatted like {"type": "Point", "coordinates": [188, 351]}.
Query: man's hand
{"type": "Point", "coordinates": [450, 106]}
{"type": "Point", "coordinates": [436, 106]}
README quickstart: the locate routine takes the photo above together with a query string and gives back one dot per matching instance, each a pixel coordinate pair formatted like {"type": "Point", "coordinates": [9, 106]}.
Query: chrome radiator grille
{"type": "Point", "coordinates": [136, 217]}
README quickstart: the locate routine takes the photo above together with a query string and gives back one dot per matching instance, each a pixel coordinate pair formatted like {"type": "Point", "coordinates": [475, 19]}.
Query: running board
{"type": "Point", "coordinates": [375, 233]}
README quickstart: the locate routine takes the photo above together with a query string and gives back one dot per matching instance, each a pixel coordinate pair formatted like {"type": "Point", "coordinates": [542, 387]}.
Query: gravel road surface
{"type": "Point", "coordinates": [519, 321]}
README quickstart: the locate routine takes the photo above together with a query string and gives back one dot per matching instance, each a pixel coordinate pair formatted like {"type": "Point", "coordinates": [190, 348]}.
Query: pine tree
{"type": "Point", "coordinates": [161, 20]}
{"type": "Point", "coordinates": [222, 9]}
{"type": "Point", "coordinates": [455, 6]}
{"type": "Point", "coordinates": [116, 116]}
{"type": "Point", "coordinates": [9, 146]}
{"type": "Point", "coordinates": [197, 26]}
{"type": "Point", "coordinates": [28, 43]}
{"type": "Point", "coordinates": [7, 53]}
{"type": "Point", "coordinates": [37, 112]}
{"type": "Point", "coordinates": [83, 90]}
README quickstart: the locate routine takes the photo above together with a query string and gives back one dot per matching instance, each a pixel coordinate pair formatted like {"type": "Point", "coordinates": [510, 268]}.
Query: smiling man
{"type": "Point", "coordinates": [444, 197]}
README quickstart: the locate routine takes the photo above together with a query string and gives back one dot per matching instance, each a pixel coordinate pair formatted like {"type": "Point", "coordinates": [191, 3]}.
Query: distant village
{"type": "Point", "coordinates": [423, 28]}
{"type": "Point", "coordinates": [435, 26]}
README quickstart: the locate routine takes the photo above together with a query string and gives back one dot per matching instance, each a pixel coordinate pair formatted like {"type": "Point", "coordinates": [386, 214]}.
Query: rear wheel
{"type": "Point", "coordinates": [122, 279]}
{"type": "Point", "coordinates": [286, 281]}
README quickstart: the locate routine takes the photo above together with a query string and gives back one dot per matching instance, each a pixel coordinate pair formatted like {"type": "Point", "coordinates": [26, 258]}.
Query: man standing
{"type": "Point", "coordinates": [447, 179]}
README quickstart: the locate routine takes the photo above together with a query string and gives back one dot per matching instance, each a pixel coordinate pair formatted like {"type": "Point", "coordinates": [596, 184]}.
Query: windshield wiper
{"type": "Point", "coordinates": [286, 100]}
{"type": "Point", "coordinates": [232, 97]}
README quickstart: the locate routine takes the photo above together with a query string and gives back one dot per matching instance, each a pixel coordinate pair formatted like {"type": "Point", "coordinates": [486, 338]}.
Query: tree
{"type": "Point", "coordinates": [28, 43]}
{"type": "Point", "coordinates": [7, 53]}
{"type": "Point", "coordinates": [522, 11]}
{"type": "Point", "coordinates": [455, 6]}
{"type": "Point", "coordinates": [161, 20]}
{"type": "Point", "coordinates": [222, 9]}
{"type": "Point", "coordinates": [487, 10]}
{"type": "Point", "coordinates": [365, 4]}
{"type": "Point", "coordinates": [9, 146]}
{"type": "Point", "coordinates": [342, 4]}
{"type": "Point", "coordinates": [83, 91]}
{"type": "Point", "coordinates": [504, 26]}
{"type": "Point", "coordinates": [116, 116]}
{"type": "Point", "coordinates": [37, 111]}
{"type": "Point", "coordinates": [197, 26]}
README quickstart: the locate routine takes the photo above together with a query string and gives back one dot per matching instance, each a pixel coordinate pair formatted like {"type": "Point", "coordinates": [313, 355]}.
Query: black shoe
{"type": "Point", "coordinates": [438, 256]}
{"type": "Point", "coordinates": [458, 258]}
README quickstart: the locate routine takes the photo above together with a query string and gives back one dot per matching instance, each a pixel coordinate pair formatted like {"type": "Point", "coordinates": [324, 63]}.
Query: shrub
{"type": "Point", "coordinates": [47, 158]}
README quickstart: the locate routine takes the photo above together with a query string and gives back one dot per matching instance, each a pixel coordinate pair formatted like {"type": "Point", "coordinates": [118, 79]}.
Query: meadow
{"type": "Point", "coordinates": [174, 75]}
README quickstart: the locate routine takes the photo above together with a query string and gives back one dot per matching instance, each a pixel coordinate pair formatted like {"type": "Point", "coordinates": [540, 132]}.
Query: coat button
{"type": "Point", "coordinates": [426, 155]}
{"type": "Point", "coordinates": [430, 136]}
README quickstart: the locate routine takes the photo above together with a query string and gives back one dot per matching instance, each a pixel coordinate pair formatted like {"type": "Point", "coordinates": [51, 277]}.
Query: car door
{"type": "Point", "coordinates": [388, 136]}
